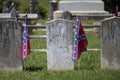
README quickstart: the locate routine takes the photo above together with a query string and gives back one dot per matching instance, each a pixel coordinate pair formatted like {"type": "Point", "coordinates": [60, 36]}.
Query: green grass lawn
{"type": "Point", "coordinates": [93, 41]}
{"type": "Point", "coordinates": [35, 67]}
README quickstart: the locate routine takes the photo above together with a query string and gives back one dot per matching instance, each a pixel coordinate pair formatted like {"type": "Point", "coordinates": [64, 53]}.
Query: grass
{"type": "Point", "coordinates": [34, 42]}
{"type": "Point", "coordinates": [42, 21]}
{"type": "Point", "coordinates": [35, 67]}
{"type": "Point", "coordinates": [90, 21]}
{"type": "Point", "coordinates": [93, 41]}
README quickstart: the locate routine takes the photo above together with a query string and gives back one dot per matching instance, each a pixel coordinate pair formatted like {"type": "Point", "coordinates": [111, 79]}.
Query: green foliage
{"type": "Point", "coordinates": [44, 6]}
{"type": "Point", "coordinates": [43, 12]}
{"type": "Point", "coordinates": [38, 46]}
{"type": "Point", "coordinates": [9, 4]}
{"type": "Point", "coordinates": [1, 7]}
{"type": "Point", "coordinates": [24, 6]}
{"type": "Point", "coordinates": [40, 41]}
{"type": "Point", "coordinates": [110, 5]}
{"type": "Point", "coordinates": [94, 42]}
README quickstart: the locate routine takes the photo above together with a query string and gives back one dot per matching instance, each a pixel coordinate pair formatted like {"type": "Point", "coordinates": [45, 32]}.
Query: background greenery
{"type": "Point", "coordinates": [24, 6]}
{"type": "Point", "coordinates": [110, 5]}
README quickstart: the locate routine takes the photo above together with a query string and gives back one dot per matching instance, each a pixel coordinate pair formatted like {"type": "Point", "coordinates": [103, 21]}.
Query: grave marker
{"type": "Point", "coordinates": [83, 8]}
{"type": "Point", "coordinates": [59, 45]}
{"type": "Point", "coordinates": [10, 45]}
{"type": "Point", "coordinates": [110, 55]}
{"type": "Point", "coordinates": [81, 5]}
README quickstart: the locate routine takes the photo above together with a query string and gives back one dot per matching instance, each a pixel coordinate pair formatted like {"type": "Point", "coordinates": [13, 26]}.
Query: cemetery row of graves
{"type": "Point", "coordinates": [52, 47]}
{"type": "Point", "coordinates": [35, 67]}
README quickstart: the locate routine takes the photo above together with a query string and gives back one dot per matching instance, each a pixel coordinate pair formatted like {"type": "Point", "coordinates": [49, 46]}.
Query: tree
{"type": "Point", "coordinates": [1, 6]}
{"type": "Point", "coordinates": [110, 5]}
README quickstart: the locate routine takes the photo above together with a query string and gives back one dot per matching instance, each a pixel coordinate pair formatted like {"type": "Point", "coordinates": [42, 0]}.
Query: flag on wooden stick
{"type": "Point", "coordinates": [17, 16]}
{"type": "Point", "coordinates": [116, 11]}
{"type": "Point", "coordinates": [80, 40]}
{"type": "Point", "coordinates": [25, 51]}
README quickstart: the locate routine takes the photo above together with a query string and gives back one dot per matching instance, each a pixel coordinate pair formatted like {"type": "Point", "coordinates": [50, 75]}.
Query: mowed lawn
{"type": "Point", "coordinates": [88, 67]}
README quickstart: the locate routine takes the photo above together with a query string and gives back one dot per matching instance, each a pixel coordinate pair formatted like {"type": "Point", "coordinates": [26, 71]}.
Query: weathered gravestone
{"type": "Point", "coordinates": [67, 15]}
{"type": "Point", "coordinates": [13, 10]}
{"type": "Point", "coordinates": [5, 16]}
{"type": "Point", "coordinates": [10, 45]}
{"type": "Point", "coordinates": [81, 5]}
{"type": "Point", "coordinates": [110, 56]}
{"type": "Point", "coordinates": [59, 45]}
{"type": "Point", "coordinates": [9, 8]}
{"type": "Point", "coordinates": [5, 7]}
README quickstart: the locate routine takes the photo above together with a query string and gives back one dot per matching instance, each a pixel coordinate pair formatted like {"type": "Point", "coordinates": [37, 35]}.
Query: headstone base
{"type": "Point", "coordinates": [85, 15]}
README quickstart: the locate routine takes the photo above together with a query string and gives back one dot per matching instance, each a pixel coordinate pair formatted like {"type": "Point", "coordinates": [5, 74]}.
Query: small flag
{"type": "Point", "coordinates": [116, 11]}
{"type": "Point", "coordinates": [25, 51]}
{"type": "Point", "coordinates": [18, 16]}
{"type": "Point", "coordinates": [80, 40]}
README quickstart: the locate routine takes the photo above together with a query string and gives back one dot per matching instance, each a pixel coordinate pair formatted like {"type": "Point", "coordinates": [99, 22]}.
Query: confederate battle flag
{"type": "Point", "coordinates": [25, 51]}
{"type": "Point", "coordinates": [80, 40]}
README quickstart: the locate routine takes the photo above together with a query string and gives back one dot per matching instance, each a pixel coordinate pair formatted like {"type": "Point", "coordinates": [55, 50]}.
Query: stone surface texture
{"type": "Point", "coordinates": [110, 43]}
{"type": "Point", "coordinates": [59, 45]}
{"type": "Point", "coordinates": [10, 45]}
{"type": "Point", "coordinates": [81, 5]}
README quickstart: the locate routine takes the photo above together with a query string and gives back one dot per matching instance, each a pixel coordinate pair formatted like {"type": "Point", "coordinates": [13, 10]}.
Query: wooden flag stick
{"type": "Point", "coordinates": [78, 64]}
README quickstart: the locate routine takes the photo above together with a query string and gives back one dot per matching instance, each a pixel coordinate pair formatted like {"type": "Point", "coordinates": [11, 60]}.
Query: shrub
{"type": "Point", "coordinates": [43, 12]}
{"type": "Point", "coordinates": [110, 5]}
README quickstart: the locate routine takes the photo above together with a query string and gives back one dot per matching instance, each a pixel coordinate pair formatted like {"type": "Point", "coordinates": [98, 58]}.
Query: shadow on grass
{"type": "Point", "coordinates": [33, 69]}
{"type": "Point", "coordinates": [85, 68]}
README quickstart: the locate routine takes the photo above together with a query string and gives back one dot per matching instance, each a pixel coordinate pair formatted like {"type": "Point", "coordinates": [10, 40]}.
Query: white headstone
{"type": "Point", "coordinates": [110, 56]}
{"type": "Point", "coordinates": [5, 16]}
{"type": "Point", "coordinates": [59, 45]}
{"type": "Point", "coordinates": [81, 5]}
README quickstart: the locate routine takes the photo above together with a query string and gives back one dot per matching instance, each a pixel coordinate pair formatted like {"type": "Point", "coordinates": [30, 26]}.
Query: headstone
{"type": "Point", "coordinates": [5, 7]}
{"type": "Point", "coordinates": [63, 15]}
{"type": "Point", "coordinates": [110, 56]}
{"type": "Point", "coordinates": [9, 8]}
{"type": "Point", "coordinates": [13, 10]}
{"type": "Point", "coordinates": [5, 16]}
{"type": "Point", "coordinates": [81, 5]}
{"type": "Point", "coordinates": [29, 16]}
{"type": "Point", "coordinates": [67, 15]}
{"type": "Point", "coordinates": [10, 44]}
{"type": "Point", "coordinates": [85, 9]}
{"type": "Point", "coordinates": [59, 45]}
{"type": "Point", "coordinates": [9, 16]}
